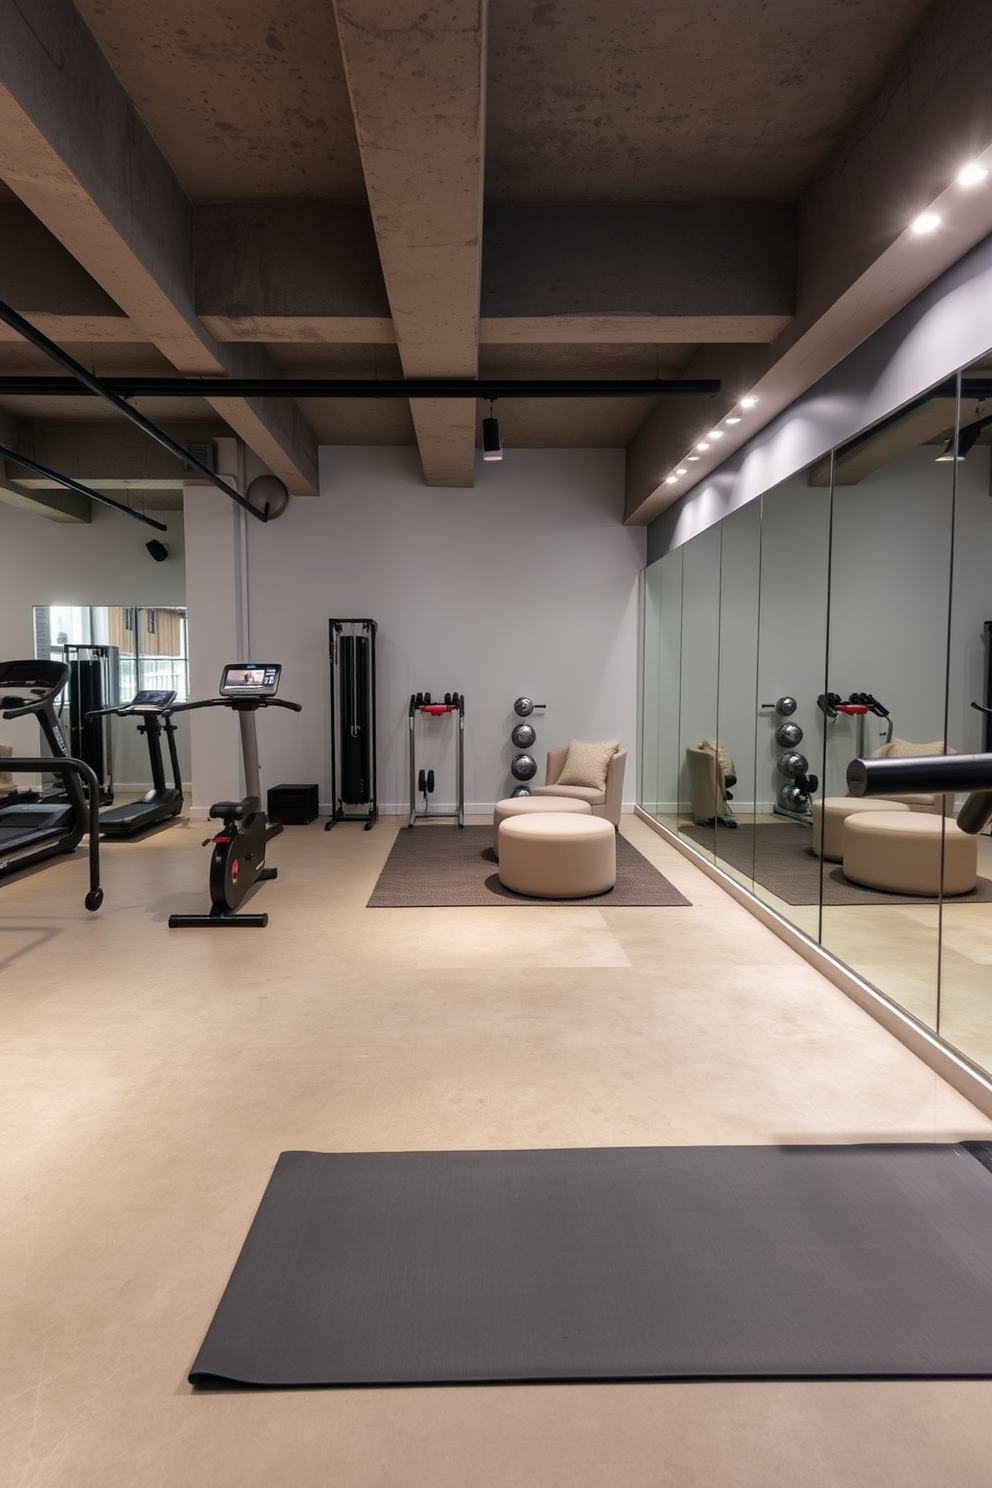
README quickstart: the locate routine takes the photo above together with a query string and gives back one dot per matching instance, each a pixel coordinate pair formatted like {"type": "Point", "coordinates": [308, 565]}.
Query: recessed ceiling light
{"type": "Point", "coordinates": [748, 402]}
{"type": "Point", "coordinates": [671, 480]}
{"type": "Point", "coordinates": [972, 174]}
{"type": "Point", "coordinates": [715, 434]}
{"type": "Point", "coordinates": [702, 445]}
{"type": "Point", "coordinates": [692, 457]}
{"type": "Point", "coordinates": [733, 418]}
{"type": "Point", "coordinates": [681, 470]}
{"type": "Point", "coordinates": [926, 222]}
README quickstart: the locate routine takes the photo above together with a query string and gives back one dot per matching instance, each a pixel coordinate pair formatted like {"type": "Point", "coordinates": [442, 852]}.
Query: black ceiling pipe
{"type": "Point", "coordinates": [73, 485]}
{"type": "Point", "coordinates": [330, 387]}
{"type": "Point", "coordinates": [102, 390]}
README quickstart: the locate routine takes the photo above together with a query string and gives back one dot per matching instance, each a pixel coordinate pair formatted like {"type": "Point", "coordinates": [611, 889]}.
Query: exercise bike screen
{"type": "Point", "coordinates": [247, 678]}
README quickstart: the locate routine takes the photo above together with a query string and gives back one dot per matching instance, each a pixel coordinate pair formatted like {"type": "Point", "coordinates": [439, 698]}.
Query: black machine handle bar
{"type": "Point", "coordinates": [22, 765]}
{"type": "Point", "coordinates": [16, 707]}
{"type": "Point", "coordinates": [237, 702]}
{"type": "Point", "coordinates": [930, 773]}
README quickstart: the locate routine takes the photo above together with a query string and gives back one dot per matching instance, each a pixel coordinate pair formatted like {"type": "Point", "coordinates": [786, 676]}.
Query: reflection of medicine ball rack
{"type": "Point", "coordinates": [351, 644]}
{"type": "Point", "coordinates": [523, 766]}
{"type": "Point", "coordinates": [453, 705]}
{"type": "Point", "coordinates": [793, 796]}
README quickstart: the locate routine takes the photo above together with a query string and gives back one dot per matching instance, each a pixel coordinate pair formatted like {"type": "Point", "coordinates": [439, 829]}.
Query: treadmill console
{"type": "Point", "coordinates": [152, 700]}
{"type": "Point", "coordinates": [250, 679]}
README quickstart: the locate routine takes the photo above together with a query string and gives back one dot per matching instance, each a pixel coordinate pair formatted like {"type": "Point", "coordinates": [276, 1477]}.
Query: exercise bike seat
{"type": "Point", "coordinates": [235, 810]}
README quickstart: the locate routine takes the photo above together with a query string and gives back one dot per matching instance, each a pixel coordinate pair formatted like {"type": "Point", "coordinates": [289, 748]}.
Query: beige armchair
{"type": "Point", "coordinates": [940, 805]}
{"type": "Point", "coordinates": [605, 803]}
{"type": "Point", "coordinates": [708, 764]}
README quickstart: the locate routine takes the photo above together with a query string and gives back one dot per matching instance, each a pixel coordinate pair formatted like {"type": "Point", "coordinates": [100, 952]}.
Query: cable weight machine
{"type": "Point", "coordinates": [351, 646]}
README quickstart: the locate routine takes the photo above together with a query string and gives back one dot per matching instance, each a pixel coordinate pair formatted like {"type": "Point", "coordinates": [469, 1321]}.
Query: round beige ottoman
{"type": "Point", "coordinates": [830, 814]}
{"type": "Point", "coordinates": [902, 853]}
{"type": "Point", "coordinates": [557, 856]}
{"type": "Point", "coordinates": [528, 805]}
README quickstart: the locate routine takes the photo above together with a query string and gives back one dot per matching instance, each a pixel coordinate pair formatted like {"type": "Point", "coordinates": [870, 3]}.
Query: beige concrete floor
{"type": "Point", "coordinates": [149, 1079]}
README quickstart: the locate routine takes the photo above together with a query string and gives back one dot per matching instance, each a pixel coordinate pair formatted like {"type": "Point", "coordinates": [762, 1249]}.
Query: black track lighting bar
{"type": "Point", "coordinates": [331, 387]}
{"type": "Point", "coordinates": [80, 378]}
{"type": "Point", "coordinates": [74, 485]}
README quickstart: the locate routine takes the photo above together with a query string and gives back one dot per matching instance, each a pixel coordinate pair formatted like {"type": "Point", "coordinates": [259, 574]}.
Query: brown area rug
{"type": "Point", "coordinates": [781, 859]}
{"type": "Point", "coordinates": [438, 867]}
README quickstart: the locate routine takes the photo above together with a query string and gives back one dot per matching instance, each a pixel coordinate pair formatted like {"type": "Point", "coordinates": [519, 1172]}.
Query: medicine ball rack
{"type": "Point", "coordinates": [453, 705]}
{"type": "Point", "coordinates": [351, 646]}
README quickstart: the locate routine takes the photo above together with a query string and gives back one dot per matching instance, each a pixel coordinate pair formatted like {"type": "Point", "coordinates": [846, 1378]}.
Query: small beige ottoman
{"type": "Point", "coordinates": [830, 814]}
{"type": "Point", "coordinates": [557, 855]}
{"type": "Point", "coordinates": [529, 805]}
{"type": "Point", "coordinates": [902, 853]}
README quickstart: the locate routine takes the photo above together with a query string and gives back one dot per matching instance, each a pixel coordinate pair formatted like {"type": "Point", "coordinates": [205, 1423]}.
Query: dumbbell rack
{"type": "Point", "coordinates": [454, 705]}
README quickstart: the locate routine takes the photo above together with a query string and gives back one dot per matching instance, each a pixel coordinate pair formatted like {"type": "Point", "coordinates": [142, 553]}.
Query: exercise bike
{"type": "Point", "coordinates": [237, 862]}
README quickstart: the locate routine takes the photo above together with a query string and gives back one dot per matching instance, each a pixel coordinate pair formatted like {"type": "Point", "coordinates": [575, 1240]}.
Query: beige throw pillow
{"type": "Point", "coordinates": [586, 764]}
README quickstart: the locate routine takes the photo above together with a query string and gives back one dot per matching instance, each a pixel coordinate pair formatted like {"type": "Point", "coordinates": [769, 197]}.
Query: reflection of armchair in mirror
{"type": "Point", "coordinates": [711, 774]}
{"type": "Point", "coordinates": [940, 805]}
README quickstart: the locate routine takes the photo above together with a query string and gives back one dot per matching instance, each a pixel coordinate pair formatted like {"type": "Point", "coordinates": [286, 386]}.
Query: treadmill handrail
{"type": "Point", "coordinates": [26, 765]}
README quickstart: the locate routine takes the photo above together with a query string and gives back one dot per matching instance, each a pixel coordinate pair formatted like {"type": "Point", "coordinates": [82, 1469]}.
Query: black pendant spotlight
{"type": "Point", "coordinates": [492, 445]}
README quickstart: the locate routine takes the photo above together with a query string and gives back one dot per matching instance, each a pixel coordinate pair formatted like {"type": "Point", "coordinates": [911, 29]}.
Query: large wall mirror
{"type": "Point", "coordinates": [846, 612]}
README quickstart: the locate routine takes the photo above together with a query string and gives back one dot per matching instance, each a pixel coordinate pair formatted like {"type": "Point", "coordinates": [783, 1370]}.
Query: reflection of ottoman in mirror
{"type": "Point", "coordinates": [903, 852]}
{"type": "Point", "coordinates": [530, 806]}
{"type": "Point", "coordinates": [557, 856]}
{"type": "Point", "coordinates": [830, 814]}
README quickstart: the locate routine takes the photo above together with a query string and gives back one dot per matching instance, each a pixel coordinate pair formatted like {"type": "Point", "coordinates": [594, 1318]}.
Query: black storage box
{"type": "Point", "coordinates": [292, 805]}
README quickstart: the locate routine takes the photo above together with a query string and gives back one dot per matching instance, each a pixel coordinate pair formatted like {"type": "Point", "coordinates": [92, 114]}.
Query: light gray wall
{"type": "Point", "coordinates": [102, 562]}
{"type": "Point", "coordinates": [526, 584]}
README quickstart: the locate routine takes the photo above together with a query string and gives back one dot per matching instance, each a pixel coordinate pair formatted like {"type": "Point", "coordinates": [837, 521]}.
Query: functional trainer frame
{"type": "Point", "coordinates": [438, 710]}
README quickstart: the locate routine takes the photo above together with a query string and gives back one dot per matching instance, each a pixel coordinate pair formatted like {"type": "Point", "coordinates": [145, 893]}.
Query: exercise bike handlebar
{"type": "Point", "coordinates": [237, 703]}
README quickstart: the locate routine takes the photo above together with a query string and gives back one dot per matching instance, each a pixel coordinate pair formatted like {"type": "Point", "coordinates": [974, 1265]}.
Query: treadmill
{"type": "Point", "coordinates": [32, 830]}
{"type": "Point", "coordinates": [154, 707]}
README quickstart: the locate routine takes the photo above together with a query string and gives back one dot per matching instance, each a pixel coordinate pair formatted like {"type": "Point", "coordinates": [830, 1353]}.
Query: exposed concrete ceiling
{"type": "Point", "coordinates": [451, 188]}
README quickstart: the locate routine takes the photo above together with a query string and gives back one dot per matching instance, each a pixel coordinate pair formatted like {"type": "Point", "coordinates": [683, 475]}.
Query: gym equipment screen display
{"type": "Point", "coordinates": [250, 678]}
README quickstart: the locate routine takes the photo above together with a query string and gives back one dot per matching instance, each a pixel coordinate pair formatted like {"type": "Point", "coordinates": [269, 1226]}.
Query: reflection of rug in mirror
{"type": "Point", "coordinates": [780, 858]}
{"type": "Point", "coordinates": [448, 866]}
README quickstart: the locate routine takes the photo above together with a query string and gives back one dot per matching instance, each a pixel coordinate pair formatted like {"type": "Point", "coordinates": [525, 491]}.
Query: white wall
{"type": "Point", "coordinates": [102, 562]}
{"type": "Point", "coordinates": [526, 584]}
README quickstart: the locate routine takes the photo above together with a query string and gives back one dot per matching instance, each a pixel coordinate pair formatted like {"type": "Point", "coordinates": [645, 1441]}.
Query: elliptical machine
{"type": "Point", "coordinates": [237, 862]}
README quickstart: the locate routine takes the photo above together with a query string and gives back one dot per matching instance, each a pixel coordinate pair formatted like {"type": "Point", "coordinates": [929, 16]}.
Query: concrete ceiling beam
{"type": "Point", "coordinates": [289, 271]}
{"type": "Point", "coordinates": [667, 261]}
{"type": "Point", "coordinates": [75, 151]}
{"type": "Point", "coordinates": [858, 262]}
{"type": "Point", "coordinates": [112, 456]}
{"type": "Point", "coordinates": [416, 78]}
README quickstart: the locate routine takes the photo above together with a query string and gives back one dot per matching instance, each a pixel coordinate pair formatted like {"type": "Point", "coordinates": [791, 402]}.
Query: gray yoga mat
{"type": "Point", "coordinates": [611, 1264]}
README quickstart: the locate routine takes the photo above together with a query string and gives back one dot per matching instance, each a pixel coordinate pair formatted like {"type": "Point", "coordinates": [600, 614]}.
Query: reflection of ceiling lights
{"type": "Point", "coordinates": [715, 434]}
{"type": "Point", "coordinates": [972, 174]}
{"type": "Point", "coordinates": [671, 480]}
{"type": "Point", "coordinates": [733, 418]}
{"type": "Point", "coordinates": [960, 446]}
{"type": "Point", "coordinates": [748, 402]}
{"type": "Point", "coordinates": [692, 457]}
{"type": "Point", "coordinates": [702, 445]}
{"type": "Point", "coordinates": [681, 470]}
{"type": "Point", "coordinates": [926, 222]}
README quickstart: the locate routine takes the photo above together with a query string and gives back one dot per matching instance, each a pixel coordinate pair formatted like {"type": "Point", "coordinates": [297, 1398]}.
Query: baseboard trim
{"type": "Point", "coordinates": [968, 1079]}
